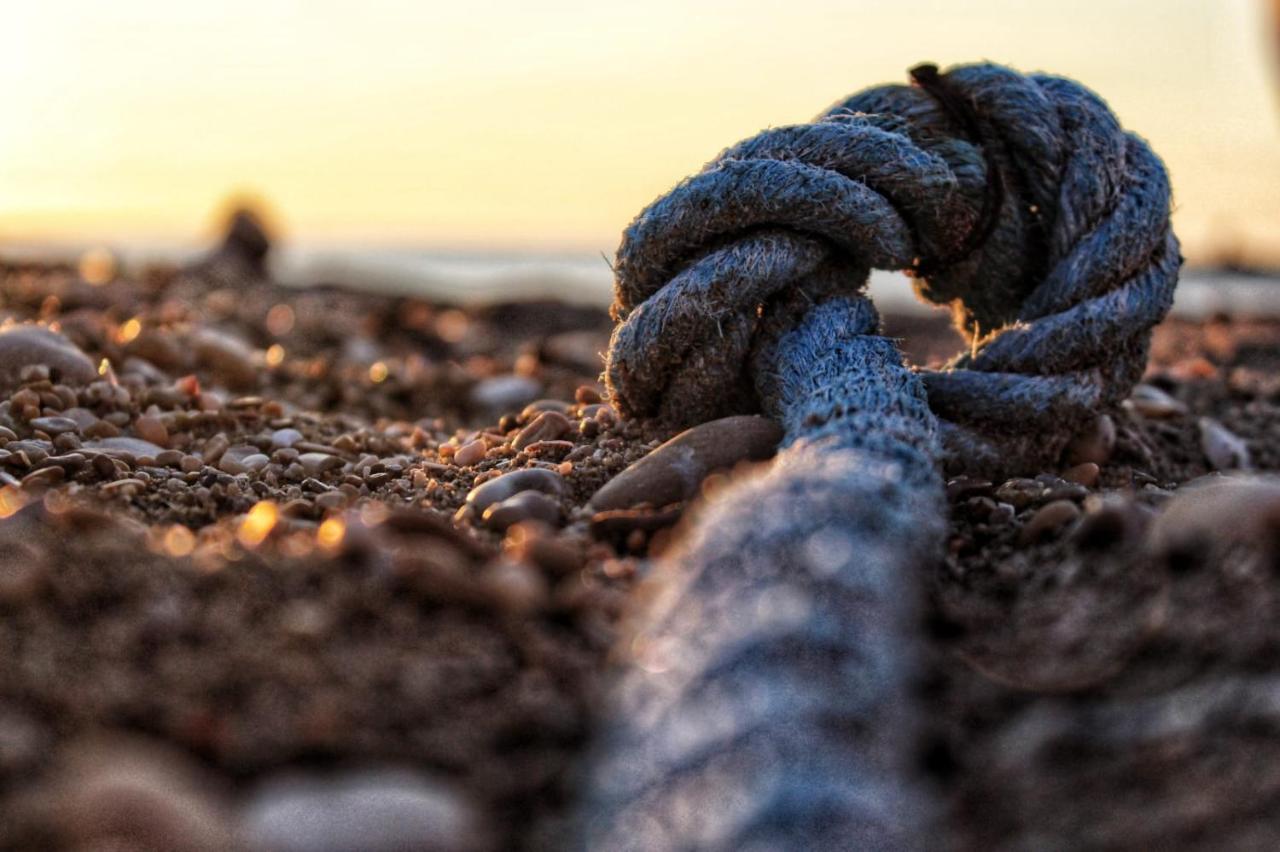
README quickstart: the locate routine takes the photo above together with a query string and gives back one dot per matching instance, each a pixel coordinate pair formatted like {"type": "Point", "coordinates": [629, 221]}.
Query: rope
{"type": "Point", "coordinates": [1018, 200]}
{"type": "Point", "coordinates": [769, 703]}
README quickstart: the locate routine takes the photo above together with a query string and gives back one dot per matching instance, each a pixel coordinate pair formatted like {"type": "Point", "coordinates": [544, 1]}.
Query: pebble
{"type": "Point", "coordinates": [83, 417]}
{"type": "Point", "coordinates": [1085, 473]}
{"type": "Point", "coordinates": [23, 346]}
{"type": "Point", "coordinates": [283, 438]}
{"type": "Point", "coordinates": [127, 795]}
{"type": "Point", "coordinates": [54, 426]}
{"type": "Point", "coordinates": [136, 448]}
{"type": "Point", "coordinates": [1225, 510]}
{"type": "Point", "coordinates": [1021, 493]}
{"type": "Point", "coordinates": [525, 506]}
{"type": "Point", "coordinates": [547, 426]}
{"type": "Point", "coordinates": [1048, 520]}
{"type": "Point", "coordinates": [316, 463]}
{"type": "Point", "coordinates": [673, 471]}
{"type": "Point", "coordinates": [1223, 449]}
{"type": "Point", "coordinates": [967, 486]}
{"type": "Point", "coordinates": [151, 429]}
{"type": "Point", "coordinates": [509, 484]}
{"type": "Point", "coordinates": [469, 453]}
{"type": "Point", "coordinates": [372, 810]}
{"type": "Point", "coordinates": [538, 406]}
{"type": "Point", "coordinates": [228, 357]}
{"type": "Point", "coordinates": [1151, 402]}
{"type": "Point", "coordinates": [1095, 444]}
{"type": "Point", "coordinates": [255, 462]}
{"type": "Point", "coordinates": [504, 393]}
{"type": "Point", "coordinates": [233, 460]}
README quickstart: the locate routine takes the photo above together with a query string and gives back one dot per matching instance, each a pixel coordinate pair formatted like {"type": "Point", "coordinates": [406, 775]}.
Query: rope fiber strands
{"type": "Point", "coordinates": [768, 703]}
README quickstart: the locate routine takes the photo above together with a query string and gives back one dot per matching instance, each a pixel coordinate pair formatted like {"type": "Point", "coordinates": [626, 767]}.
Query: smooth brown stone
{"type": "Point", "coordinates": [230, 358]}
{"type": "Point", "coordinates": [1085, 473]}
{"type": "Point", "coordinates": [469, 453]}
{"type": "Point", "coordinates": [1049, 519]}
{"type": "Point", "coordinates": [1244, 510]}
{"type": "Point", "coordinates": [547, 426]}
{"type": "Point", "coordinates": [23, 346]}
{"type": "Point", "coordinates": [673, 471]}
{"type": "Point", "coordinates": [151, 429]}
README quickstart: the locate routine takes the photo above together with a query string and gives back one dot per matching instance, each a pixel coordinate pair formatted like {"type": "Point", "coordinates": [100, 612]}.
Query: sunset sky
{"type": "Point", "coordinates": [520, 125]}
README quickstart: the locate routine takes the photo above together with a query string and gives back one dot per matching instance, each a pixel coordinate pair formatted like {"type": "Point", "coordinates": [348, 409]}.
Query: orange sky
{"type": "Point", "coordinates": [548, 125]}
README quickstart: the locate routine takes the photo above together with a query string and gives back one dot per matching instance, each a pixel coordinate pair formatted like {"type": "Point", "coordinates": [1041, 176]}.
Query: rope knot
{"type": "Point", "coordinates": [1016, 199]}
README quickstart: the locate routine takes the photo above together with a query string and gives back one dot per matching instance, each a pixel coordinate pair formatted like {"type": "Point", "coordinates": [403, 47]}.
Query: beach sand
{"type": "Point", "coordinates": [240, 579]}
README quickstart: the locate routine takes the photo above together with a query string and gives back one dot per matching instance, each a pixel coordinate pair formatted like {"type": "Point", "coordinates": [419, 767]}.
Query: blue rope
{"type": "Point", "coordinates": [768, 704]}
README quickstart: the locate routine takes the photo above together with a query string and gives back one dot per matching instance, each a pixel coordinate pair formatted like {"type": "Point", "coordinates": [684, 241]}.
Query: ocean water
{"type": "Point", "coordinates": [477, 277]}
{"type": "Point", "coordinates": [586, 279]}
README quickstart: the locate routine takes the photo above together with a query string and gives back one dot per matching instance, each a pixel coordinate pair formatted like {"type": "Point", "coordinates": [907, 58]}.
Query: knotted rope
{"type": "Point", "coordinates": [770, 700]}
{"type": "Point", "coordinates": [1017, 199]}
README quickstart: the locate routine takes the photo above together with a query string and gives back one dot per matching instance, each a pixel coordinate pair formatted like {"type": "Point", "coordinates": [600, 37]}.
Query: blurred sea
{"type": "Point", "coordinates": [476, 277]}
{"type": "Point", "coordinates": [470, 278]}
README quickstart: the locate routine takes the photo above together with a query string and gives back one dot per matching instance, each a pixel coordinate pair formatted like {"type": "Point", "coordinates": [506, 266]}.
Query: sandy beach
{"type": "Point", "coordinates": [266, 547]}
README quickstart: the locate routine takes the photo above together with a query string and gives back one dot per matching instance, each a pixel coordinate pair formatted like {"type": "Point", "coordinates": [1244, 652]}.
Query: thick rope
{"type": "Point", "coordinates": [769, 704]}
{"type": "Point", "coordinates": [1017, 199]}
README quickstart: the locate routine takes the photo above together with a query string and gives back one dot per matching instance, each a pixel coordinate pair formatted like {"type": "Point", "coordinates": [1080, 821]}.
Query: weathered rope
{"type": "Point", "coordinates": [1017, 199]}
{"type": "Point", "coordinates": [770, 700]}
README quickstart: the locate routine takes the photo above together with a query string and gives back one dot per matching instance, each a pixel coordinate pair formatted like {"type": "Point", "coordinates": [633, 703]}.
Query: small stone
{"type": "Point", "coordinates": [331, 500]}
{"type": "Point", "coordinates": [1095, 444]}
{"type": "Point", "coordinates": [674, 471]}
{"type": "Point", "coordinates": [133, 795]}
{"type": "Point", "coordinates": [964, 486]}
{"type": "Point", "coordinates": [228, 357]}
{"type": "Point", "coordinates": [317, 463]}
{"type": "Point", "coordinates": [214, 448]}
{"type": "Point", "coordinates": [504, 393]}
{"type": "Point", "coordinates": [547, 426]}
{"type": "Point", "coordinates": [1223, 449]}
{"type": "Point", "coordinates": [1226, 512]}
{"type": "Point", "coordinates": [1085, 473]}
{"type": "Point", "coordinates": [1021, 493]}
{"type": "Point", "coordinates": [374, 811]}
{"type": "Point", "coordinates": [255, 462]}
{"type": "Point", "coordinates": [151, 429]}
{"type": "Point", "coordinates": [1048, 520]}
{"type": "Point", "coordinates": [135, 448]}
{"type": "Point", "coordinates": [525, 506]}
{"type": "Point", "coordinates": [22, 346]}
{"type": "Point", "coordinates": [233, 460]}
{"type": "Point", "coordinates": [586, 395]}
{"type": "Point", "coordinates": [509, 484]}
{"type": "Point", "coordinates": [282, 438]}
{"type": "Point", "coordinates": [1151, 402]}
{"type": "Point", "coordinates": [54, 426]}
{"type": "Point", "coordinates": [469, 453]}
